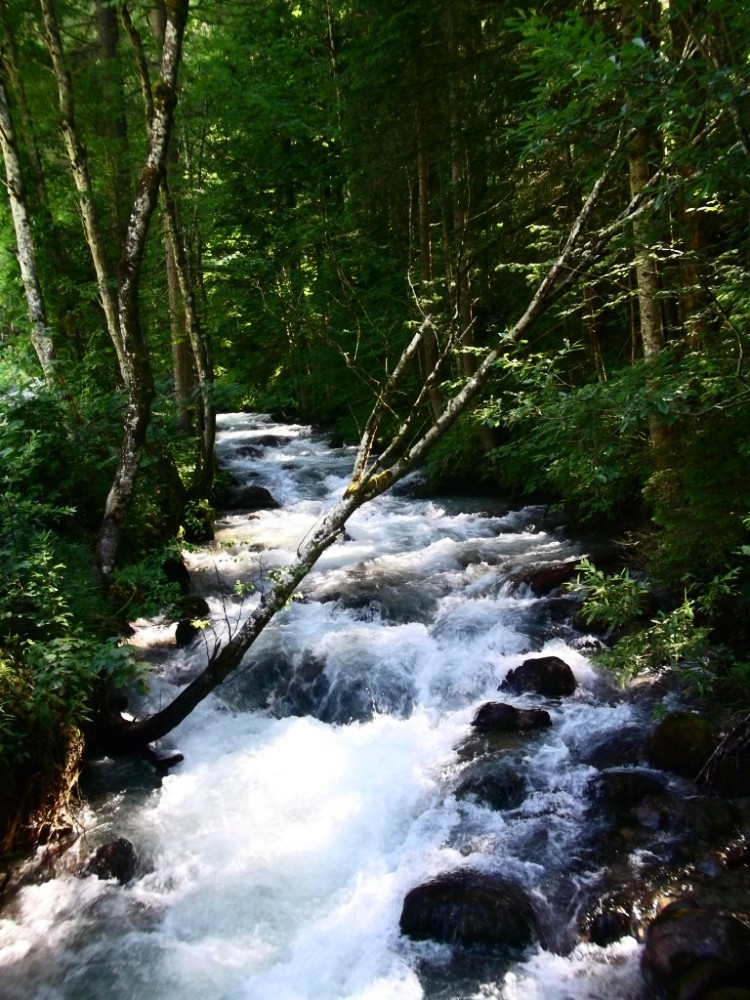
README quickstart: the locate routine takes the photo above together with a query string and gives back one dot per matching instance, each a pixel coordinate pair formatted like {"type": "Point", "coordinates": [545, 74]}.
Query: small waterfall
{"type": "Point", "coordinates": [319, 783]}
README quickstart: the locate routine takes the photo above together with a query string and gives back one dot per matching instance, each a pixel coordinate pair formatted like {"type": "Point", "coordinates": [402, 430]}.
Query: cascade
{"type": "Point", "coordinates": [321, 782]}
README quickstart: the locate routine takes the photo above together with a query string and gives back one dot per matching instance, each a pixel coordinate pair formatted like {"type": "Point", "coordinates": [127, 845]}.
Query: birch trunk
{"type": "Point", "coordinates": [191, 354]}
{"type": "Point", "coordinates": [136, 369]}
{"type": "Point", "coordinates": [26, 252]}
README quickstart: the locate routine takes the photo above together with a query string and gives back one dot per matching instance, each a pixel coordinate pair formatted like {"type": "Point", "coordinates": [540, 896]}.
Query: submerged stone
{"type": "Point", "coordinates": [470, 908]}
{"type": "Point", "coordinates": [253, 498]}
{"type": "Point", "coordinates": [115, 860]}
{"type": "Point", "coordinates": [494, 783]}
{"type": "Point", "coordinates": [621, 790]}
{"type": "Point", "coordinates": [496, 716]}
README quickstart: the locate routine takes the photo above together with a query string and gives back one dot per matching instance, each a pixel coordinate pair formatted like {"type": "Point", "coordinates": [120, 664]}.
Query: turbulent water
{"type": "Point", "coordinates": [317, 786]}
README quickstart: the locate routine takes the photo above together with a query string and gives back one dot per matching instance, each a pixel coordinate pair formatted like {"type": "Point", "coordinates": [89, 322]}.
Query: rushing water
{"type": "Point", "coordinates": [317, 787]}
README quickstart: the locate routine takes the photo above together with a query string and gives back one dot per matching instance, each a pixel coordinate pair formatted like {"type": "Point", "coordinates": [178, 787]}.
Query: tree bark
{"type": "Point", "coordinates": [26, 251]}
{"type": "Point", "coordinates": [190, 347]}
{"type": "Point", "coordinates": [136, 368]}
{"type": "Point", "coordinates": [79, 168]}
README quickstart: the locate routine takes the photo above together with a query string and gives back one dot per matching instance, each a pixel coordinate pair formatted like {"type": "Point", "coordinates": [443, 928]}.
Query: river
{"type": "Point", "coordinates": [317, 786]}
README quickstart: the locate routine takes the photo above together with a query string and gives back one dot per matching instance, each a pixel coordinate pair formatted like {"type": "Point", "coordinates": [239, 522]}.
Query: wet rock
{"type": "Point", "coordinates": [494, 783]}
{"type": "Point", "coordinates": [253, 498]}
{"type": "Point", "coordinates": [609, 926]}
{"type": "Point", "coordinates": [470, 908]}
{"type": "Point", "coordinates": [707, 820]}
{"type": "Point", "coordinates": [185, 632]}
{"type": "Point", "coordinates": [177, 572]}
{"type": "Point", "coordinates": [269, 441]}
{"type": "Point", "coordinates": [621, 790]}
{"type": "Point", "coordinates": [682, 743]}
{"type": "Point", "coordinates": [617, 749]}
{"type": "Point", "coordinates": [115, 860]}
{"type": "Point", "coordinates": [545, 675]}
{"type": "Point", "coordinates": [496, 716]}
{"type": "Point", "coordinates": [248, 451]}
{"type": "Point", "coordinates": [690, 951]}
{"type": "Point", "coordinates": [193, 607]}
{"type": "Point", "coordinates": [543, 578]}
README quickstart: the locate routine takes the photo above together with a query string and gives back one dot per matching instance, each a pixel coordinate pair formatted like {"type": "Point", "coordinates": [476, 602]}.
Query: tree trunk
{"type": "Point", "coordinates": [78, 162]}
{"type": "Point", "coordinates": [26, 252]}
{"type": "Point", "coordinates": [637, 13]}
{"type": "Point", "coordinates": [430, 347]}
{"type": "Point", "coordinates": [205, 410]}
{"type": "Point", "coordinates": [136, 370]}
{"type": "Point", "coordinates": [182, 361]}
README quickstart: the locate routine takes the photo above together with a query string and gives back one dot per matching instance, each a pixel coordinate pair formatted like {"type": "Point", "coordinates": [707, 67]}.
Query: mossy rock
{"type": "Point", "coordinates": [682, 743]}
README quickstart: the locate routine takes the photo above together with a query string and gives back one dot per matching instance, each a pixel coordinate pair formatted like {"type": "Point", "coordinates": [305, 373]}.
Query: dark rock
{"type": "Point", "coordinates": [248, 451]}
{"type": "Point", "coordinates": [253, 498]}
{"type": "Point", "coordinates": [617, 749]}
{"type": "Point", "coordinates": [116, 860]}
{"type": "Point", "coordinates": [546, 675]}
{"type": "Point", "coordinates": [689, 951]}
{"type": "Point", "coordinates": [732, 776]}
{"type": "Point", "coordinates": [185, 632]}
{"type": "Point", "coordinates": [193, 607]}
{"type": "Point", "coordinates": [499, 717]}
{"type": "Point", "coordinates": [709, 820]}
{"type": "Point", "coordinates": [492, 782]}
{"type": "Point", "coordinates": [619, 791]}
{"type": "Point", "coordinates": [269, 441]}
{"type": "Point", "coordinates": [177, 572]}
{"type": "Point", "coordinates": [609, 926]}
{"type": "Point", "coordinates": [470, 908]}
{"type": "Point", "coordinates": [543, 578]}
{"type": "Point", "coordinates": [682, 743]}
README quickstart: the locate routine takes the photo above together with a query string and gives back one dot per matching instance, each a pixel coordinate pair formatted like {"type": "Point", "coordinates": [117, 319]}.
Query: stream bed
{"type": "Point", "coordinates": [318, 785]}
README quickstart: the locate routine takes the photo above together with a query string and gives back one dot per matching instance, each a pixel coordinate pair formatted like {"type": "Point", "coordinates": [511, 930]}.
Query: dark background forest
{"type": "Point", "coordinates": [255, 205]}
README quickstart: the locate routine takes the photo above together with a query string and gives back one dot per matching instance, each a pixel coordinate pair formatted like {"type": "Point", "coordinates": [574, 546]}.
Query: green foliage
{"type": "Point", "coordinates": [582, 443]}
{"type": "Point", "coordinates": [611, 601]}
{"type": "Point", "coordinates": [671, 641]}
{"type": "Point", "coordinates": [52, 616]}
{"type": "Point", "coordinates": [142, 588]}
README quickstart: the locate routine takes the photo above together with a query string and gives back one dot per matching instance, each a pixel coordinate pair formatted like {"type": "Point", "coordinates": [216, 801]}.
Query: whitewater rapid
{"type": "Point", "coordinates": [274, 860]}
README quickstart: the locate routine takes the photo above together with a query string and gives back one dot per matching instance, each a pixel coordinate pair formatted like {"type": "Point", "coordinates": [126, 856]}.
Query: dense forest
{"type": "Point", "coordinates": [510, 247]}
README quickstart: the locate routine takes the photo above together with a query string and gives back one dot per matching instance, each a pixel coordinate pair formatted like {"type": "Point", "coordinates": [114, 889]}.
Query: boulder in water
{"type": "Point", "coordinates": [690, 951]}
{"type": "Point", "coordinates": [543, 578]}
{"type": "Point", "coordinates": [248, 451]}
{"type": "Point", "coordinates": [177, 572]}
{"type": "Point", "coordinates": [253, 498]}
{"type": "Point", "coordinates": [546, 675]}
{"type": "Point", "coordinates": [185, 632]}
{"type": "Point", "coordinates": [470, 908]}
{"type": "Point", "coordinates": [496, 716]}
{"type": "Point", "coordinates": [115, 860]}
{"type": "Point", "coordinates": [621, 790]}
{"type": "Point", "coordinates": [492, 782]}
